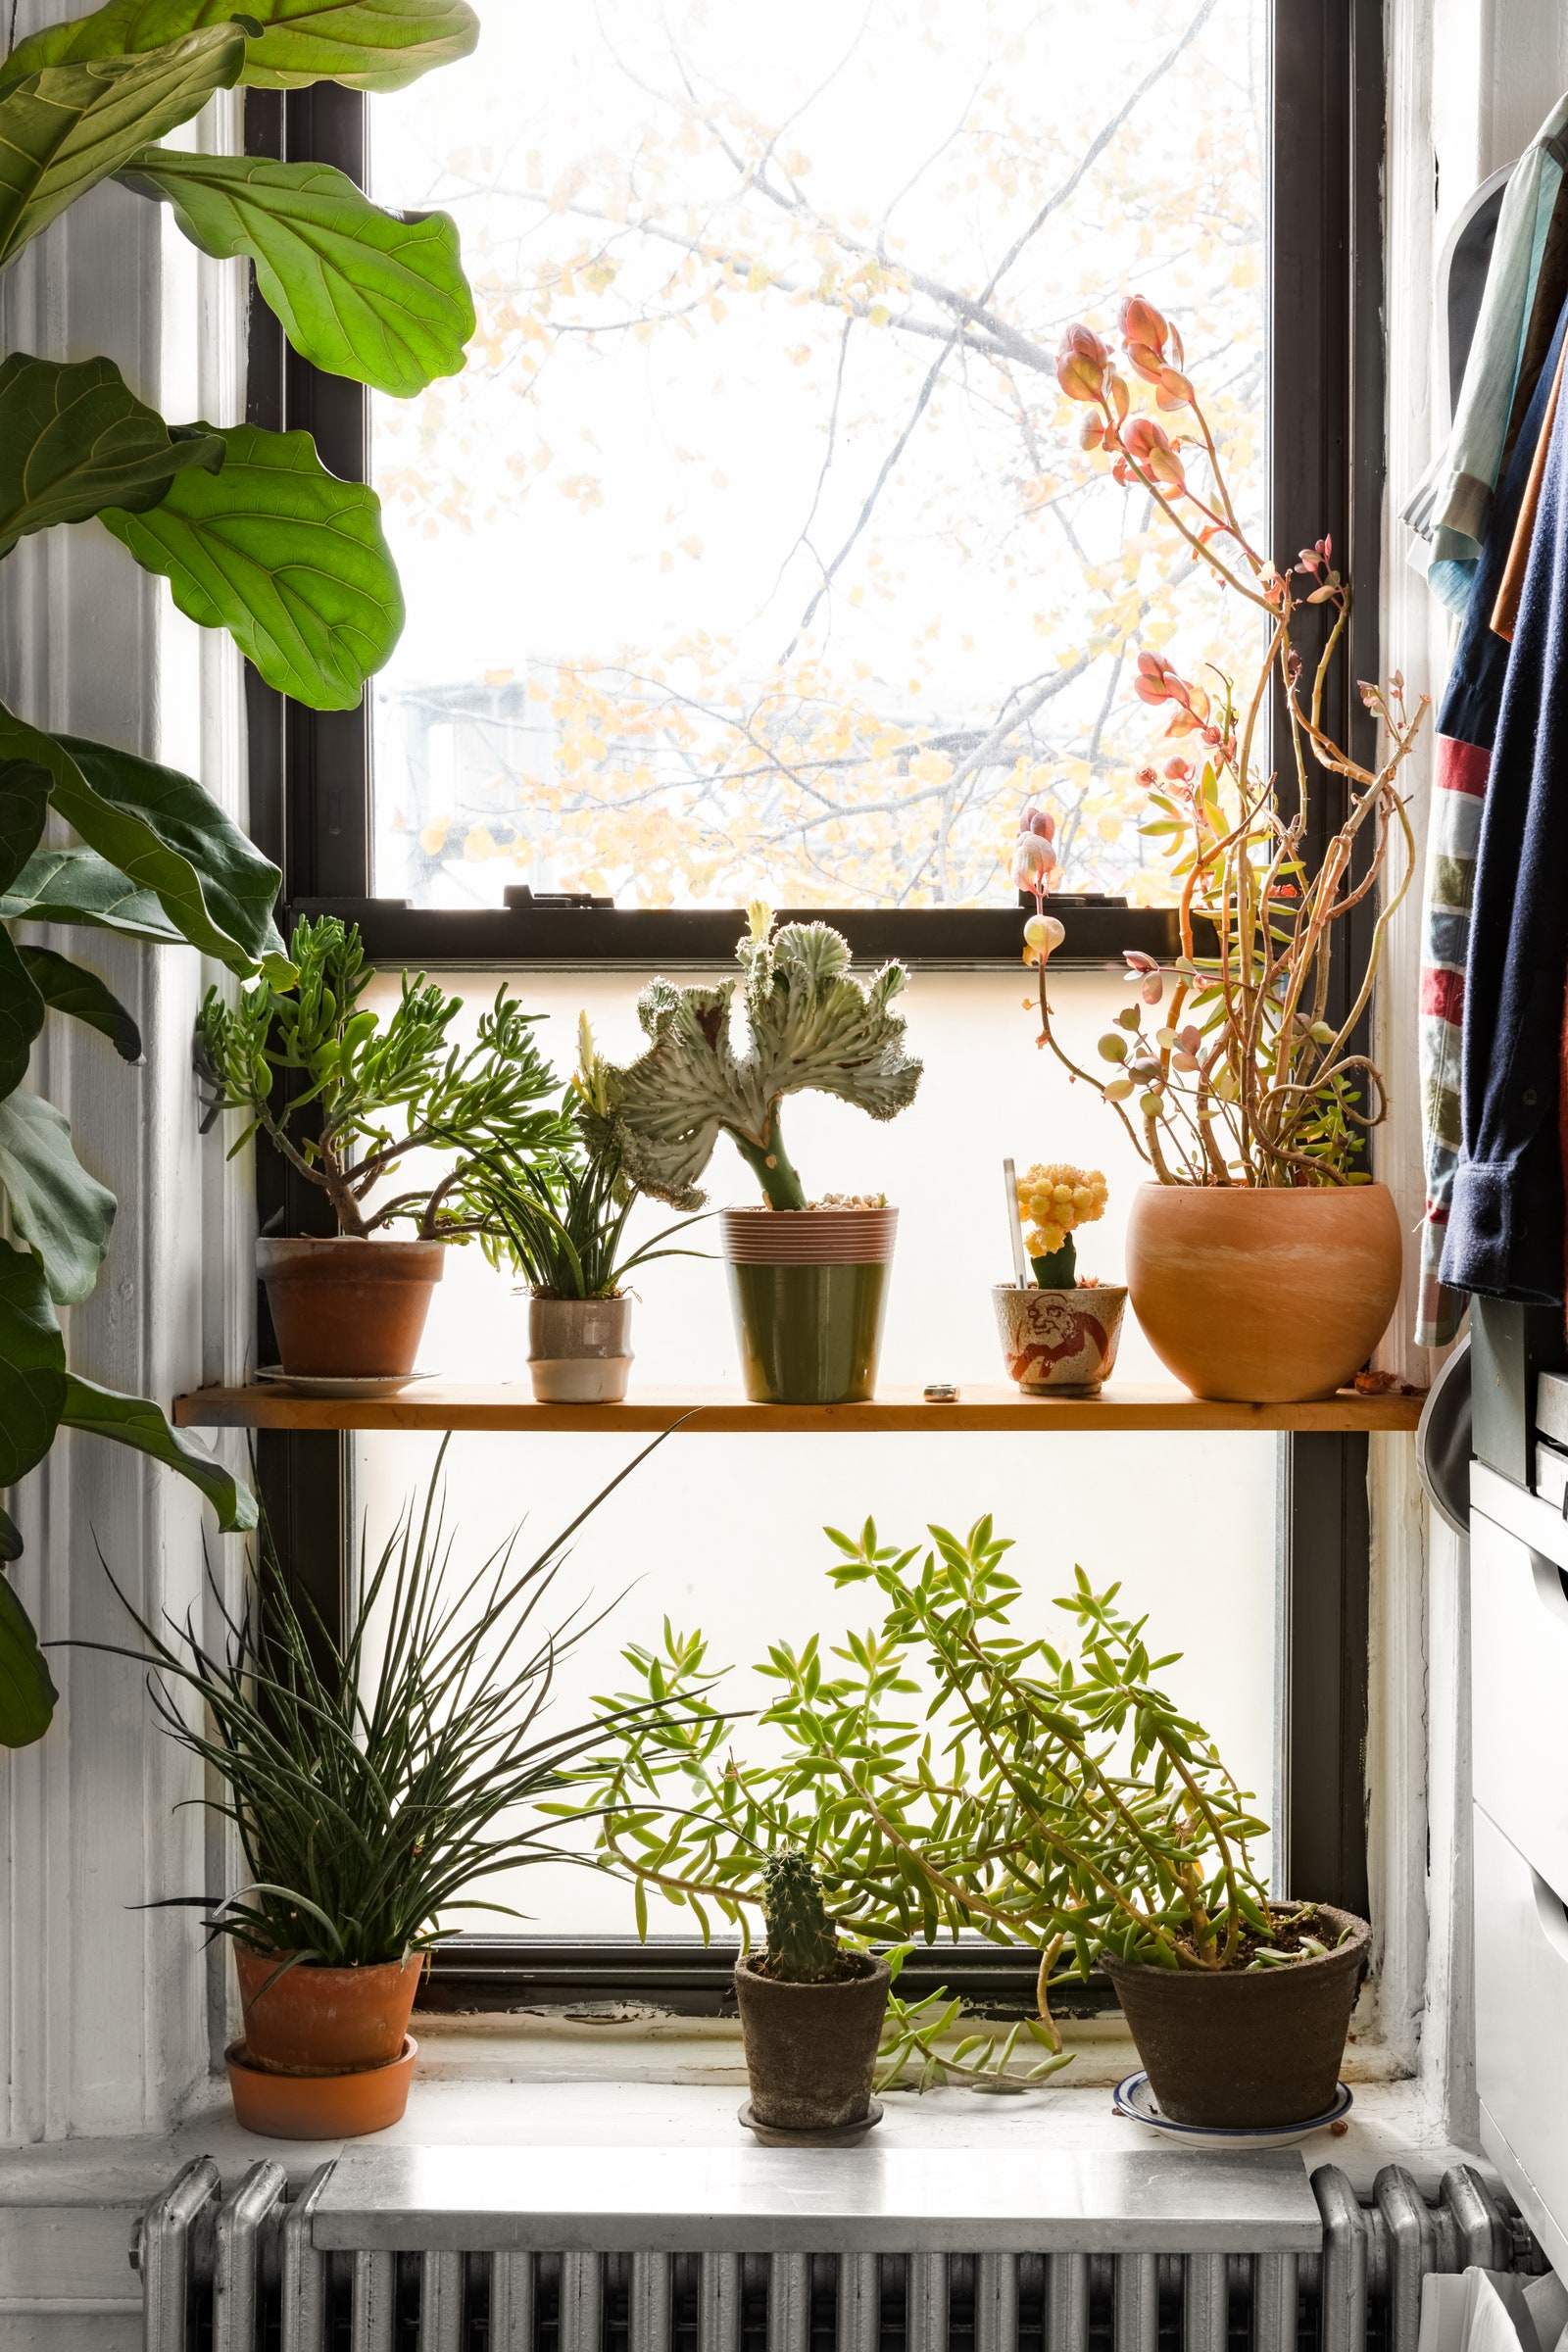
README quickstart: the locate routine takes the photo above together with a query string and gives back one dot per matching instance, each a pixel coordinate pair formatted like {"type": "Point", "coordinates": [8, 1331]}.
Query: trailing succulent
{"type": "Point", "coordinates": [253, 535]}
{"type": "Point", "coordinates": [344, 1096]}
{"type": "Point", "coordinates": [811, 1027]}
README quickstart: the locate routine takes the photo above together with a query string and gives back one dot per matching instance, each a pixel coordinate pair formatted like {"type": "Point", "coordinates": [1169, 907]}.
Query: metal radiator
{"type": "Point", "coordinates": [393, 2264]}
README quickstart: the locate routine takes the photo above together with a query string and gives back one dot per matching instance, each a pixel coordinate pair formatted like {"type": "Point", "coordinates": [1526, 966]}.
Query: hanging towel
{"type": "Point", "coordinates": [1526, 284]}
{"type": "Point", "coordinates": [1467, 723]}
{"type": "Point", "coordinates": [1505, 1217]}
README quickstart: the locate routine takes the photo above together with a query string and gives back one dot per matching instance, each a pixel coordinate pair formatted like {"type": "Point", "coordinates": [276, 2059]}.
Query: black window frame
{"type": "Point", "coordinates": [311, 810]}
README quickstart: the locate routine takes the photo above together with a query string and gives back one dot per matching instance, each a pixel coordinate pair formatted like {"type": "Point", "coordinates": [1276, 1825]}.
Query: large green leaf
{"type": "Point", "coordinates": [28, 1697]}
{"type": "Point", "coordinates": [69, 988]}
{"type": "Point", "coordinates": [21, 1015]}
{"type": "Point", "coordinates": [286, 558]}
{"type": "Point", "coordinates": [76, 438]}
{"type": "Point", "coordinates": [65, 128]}
{"type": "Point", "coordinates": [77, 886]}
{"type": "Point", "coordinates": [10, 1537]}
{"type": "Point", "coordinates": [165, 834]}
{"type": "Point", "coordinates": [363, 293]}
{"type": "Point", "coordinates": [134, 1421]}
{"type": "Point", "coordinates": [23, 809]}
{"type": "Point", "coordinates": [64, 1215]}
{"type": "Point", "coordinates": [366, 45]}
{"type": "Point", "coordinates": [32, 1364]}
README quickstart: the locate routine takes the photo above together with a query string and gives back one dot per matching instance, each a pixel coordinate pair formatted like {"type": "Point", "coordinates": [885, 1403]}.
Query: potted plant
{"type": "Point", "coordinates": [370, 1784]}
{"type": "Point", "coordinates": [563, 1229]}
{"type": "Point", "coordinates": [811, 2011]}
{"type": "Point", "coordinates": [1058, 1334]}
{"type": "Point", "coordinates": [1056, 1799]}
{"type": "Point", "coordinates": [808, 1279]}
{"type": "Point", "coordinates": [345, 1095]}
{"type": "Point", "coordinates": [1263, 1261]}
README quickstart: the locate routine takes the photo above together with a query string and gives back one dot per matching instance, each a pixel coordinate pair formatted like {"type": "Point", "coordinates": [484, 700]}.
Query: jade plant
{"type": "Point", "coordinates": [1241, 1064]}
{"type": "Point", "coordinates": [948, 1775]}
{"type": "Point", "coordinates": [811, 1026]}
{"type": "Point", "coordinates": [344, 1095]}
{"type": "Point", "coordinates": [254, 536]}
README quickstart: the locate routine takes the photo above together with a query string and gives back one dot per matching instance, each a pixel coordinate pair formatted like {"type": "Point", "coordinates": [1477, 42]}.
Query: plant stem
{"type": "Point", "coordinates": [1058, 1270]}
{"type": "Point", "coordinates": [773, 1167]}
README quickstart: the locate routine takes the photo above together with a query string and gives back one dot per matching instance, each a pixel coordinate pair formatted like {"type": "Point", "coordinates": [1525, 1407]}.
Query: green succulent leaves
{"type": "Point", "coordinates": [65, 128]}
{"type": "Point", "coordinates": [364, 44]}
{"type": "Point", "coordinates": [75, 439]}
{"type": "Point", "coordinates": [288, 559]}
{"type": "Point", "coordinates": [360, 292]}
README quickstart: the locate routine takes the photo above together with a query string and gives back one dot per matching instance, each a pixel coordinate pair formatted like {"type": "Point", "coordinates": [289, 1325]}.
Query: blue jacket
{"type": "Point", "coordinates": [1506, 1224]}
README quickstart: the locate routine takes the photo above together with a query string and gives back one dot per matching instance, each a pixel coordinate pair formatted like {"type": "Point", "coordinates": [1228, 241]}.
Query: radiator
{"type": "Point", "coordinates": [386, 2252]}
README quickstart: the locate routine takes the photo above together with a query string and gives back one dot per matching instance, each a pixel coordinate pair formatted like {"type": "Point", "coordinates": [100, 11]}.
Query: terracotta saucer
{"type": "Point", "coordinates": [319, 2106]}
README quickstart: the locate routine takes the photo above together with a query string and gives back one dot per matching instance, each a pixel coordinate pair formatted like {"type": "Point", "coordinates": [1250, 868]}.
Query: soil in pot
{"type": "Point", "coordinates": [811, 2049]}
{"type": "Point", "coordinates": [348, 1310]}
{"type": "Point", "coordinates": [1246, 2048]}
{"type": "Point", "coordinates": [308, 2020]}
{"type": "Point", "coordinates": [579, 1350]}
{"type": "Point", "coordinates": [1263, 1295]}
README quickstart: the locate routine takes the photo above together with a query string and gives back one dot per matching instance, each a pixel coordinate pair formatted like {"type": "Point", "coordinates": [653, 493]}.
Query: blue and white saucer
{"type": "Point", "coordinates": [1134, 2098]}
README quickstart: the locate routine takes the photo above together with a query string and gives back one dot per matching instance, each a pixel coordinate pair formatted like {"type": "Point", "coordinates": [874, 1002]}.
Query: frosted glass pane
{"type": "Point", "coordinates": [724, 1531]}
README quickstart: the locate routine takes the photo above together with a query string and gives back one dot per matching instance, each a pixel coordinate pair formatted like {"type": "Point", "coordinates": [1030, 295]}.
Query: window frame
{"type": "Point", "coordinates": [310, 810]}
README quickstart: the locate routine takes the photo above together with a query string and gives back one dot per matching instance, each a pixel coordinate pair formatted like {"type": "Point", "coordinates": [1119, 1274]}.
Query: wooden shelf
{"type": "Point", "coordinates": [440, 1406]}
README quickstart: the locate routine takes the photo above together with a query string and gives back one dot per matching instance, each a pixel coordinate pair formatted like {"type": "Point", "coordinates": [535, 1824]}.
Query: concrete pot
{"type": "Point", "coordinates": [1244, 2051]}
{"type": "Point", "coordinates": [1263, 1295]}
{"type": "Point", "coordinates": [349, 1309]}
{"type": "Point", "coordinates": [312, 2021]}
{"type": "Point", "coordinates": [1060, 1343]}
{"type": "Point", "coordinates": [811, 2049]}
{"type": "Point", "coordinates": [809, 1289]}
{"type": "Point", "coordinates": [579, 1350]}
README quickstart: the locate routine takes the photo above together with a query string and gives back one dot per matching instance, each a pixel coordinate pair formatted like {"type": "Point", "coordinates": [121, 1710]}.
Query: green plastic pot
{"type": "Point", "coordinates": [810, 1292]}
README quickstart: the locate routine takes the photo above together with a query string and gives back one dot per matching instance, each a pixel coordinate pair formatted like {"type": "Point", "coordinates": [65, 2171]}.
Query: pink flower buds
{"type": "Point", "coordinates": [1081, 361]}
{"type": "Point", "coordinates": [1150, 447]}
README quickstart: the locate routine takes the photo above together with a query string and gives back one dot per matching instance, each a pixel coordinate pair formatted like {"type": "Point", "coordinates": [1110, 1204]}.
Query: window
{"type": "Point", "coordinates": [638, 668]}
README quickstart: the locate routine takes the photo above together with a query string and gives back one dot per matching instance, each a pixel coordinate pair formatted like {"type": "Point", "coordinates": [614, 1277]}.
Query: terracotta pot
{"type": "Point", "coordinates": [1059, 1342]}
{"type": "Point", "coordinates": [1246, 2050]}
{"type": "Point", "coordinates": [319, 2106]}
{"type": "Point", "coordinates": [811, 2049]}
{"type": "Point", "coordinates": [350, 1309]}
{"type": "Point", "coordinates": [579, 1350]}
{"type": "Point", "coordinates": [809, 1289]}
{"type": "Point", "coordinates": [313, 2019]}
{"type": "Point", "coordinates": [1265, 1297]}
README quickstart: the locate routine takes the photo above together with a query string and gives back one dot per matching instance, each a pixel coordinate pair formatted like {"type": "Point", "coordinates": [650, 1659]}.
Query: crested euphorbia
{"type": "Point", "coordinates": [1250, 1071]}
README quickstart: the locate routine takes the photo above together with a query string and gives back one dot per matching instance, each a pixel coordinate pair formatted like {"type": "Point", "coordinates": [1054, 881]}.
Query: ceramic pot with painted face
{"type": "Point", "coordinates": [1059, 1343]}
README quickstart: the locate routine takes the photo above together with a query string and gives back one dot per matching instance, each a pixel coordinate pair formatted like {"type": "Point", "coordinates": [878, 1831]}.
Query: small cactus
{"type": "Point", "coordinates": [802, 1946]}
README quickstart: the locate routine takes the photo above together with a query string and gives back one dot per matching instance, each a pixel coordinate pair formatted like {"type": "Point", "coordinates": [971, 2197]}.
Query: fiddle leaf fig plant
{"type": "Point", "coordinates": [811, 1026]}
{"type": "Point", "coordinates": [254, 536]}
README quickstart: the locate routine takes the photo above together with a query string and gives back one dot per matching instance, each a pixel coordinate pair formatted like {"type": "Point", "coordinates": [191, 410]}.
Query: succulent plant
{"type": "Point", "coordinates": [812, 1025]}
{"type": "Point", "coordinates": [802, 1946]}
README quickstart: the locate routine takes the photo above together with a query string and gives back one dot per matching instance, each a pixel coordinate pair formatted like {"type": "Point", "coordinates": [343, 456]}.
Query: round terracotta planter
{"type": "Point", "coordinates": [1259, 1296]}
{"type": "Point", "coordinates": [350, 1309]}
{"type": "Point", "coordinates": [811, 2049]}
{"type": "Point", "coordinates": [579, 1350]}
{"type": "Point", "coordinates": [1248, 2050]}
{"type": "Point", "coordinates": [311, 2020]}
{"type": "Point", "coordinates": [808, 1288]}
{"type": "Point", "coordinates": [319, 2106]}
{"type": "Point", "coordinates": [1059, 1343]}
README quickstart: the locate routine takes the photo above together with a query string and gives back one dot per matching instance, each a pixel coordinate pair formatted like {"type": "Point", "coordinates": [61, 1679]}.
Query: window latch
{"type": "Point", "coordinates": [522, 899]}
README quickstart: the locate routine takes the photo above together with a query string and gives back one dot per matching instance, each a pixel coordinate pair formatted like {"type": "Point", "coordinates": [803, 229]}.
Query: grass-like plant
{"type": "Point", "coordinates": [948, 1777]}
{"type": "Point", "coordinates": [346, 1096]}
{"type": "Point", "coordinates": [374, 1782]}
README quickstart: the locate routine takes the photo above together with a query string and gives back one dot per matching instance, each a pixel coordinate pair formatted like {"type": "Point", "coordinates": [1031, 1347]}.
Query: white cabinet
{"type": "Point", "coordinates": [1519, 1685]}
{"type": "Point", "coordinates": [1522, 2031]}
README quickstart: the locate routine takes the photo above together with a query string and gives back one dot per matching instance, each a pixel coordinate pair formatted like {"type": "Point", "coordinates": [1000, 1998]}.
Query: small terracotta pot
{"type": "Point", "coordinates": [318, 2106]}
{"type": "Point", "coordinates": [808, 1288]}
{"type": "Point", "coordinates": [579, 1350]}
{"type": "Point", "coordinates": [1263, 1295]}
{"type": "Point", "coordinates": [310, 2020]}
{"type": "Point", "coordinates": [1060, 1342]}
{"type": "Point", "coordinates": [1246, 2049]}
{"type": "Point", "coordinates": [349, 1309]}
{"type": "Point", "coordinates": [811, 2049]}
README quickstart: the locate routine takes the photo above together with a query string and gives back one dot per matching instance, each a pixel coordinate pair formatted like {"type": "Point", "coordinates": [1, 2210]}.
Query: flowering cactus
{"type": "Point", "coordinates": [812, 1026]}
{"type": "Point", "coordinates": [802, 1946]}
{"type": "Point", "coordinates": [1054, 1201]}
